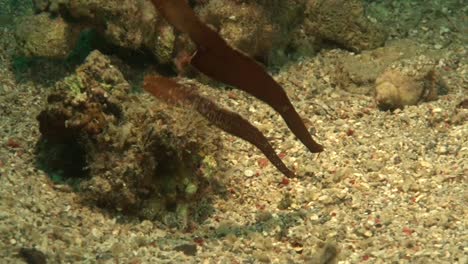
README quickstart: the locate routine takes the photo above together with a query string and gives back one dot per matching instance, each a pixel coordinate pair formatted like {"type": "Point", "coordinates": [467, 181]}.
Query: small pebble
{"type": "Point", "coordinates": [249, 173]}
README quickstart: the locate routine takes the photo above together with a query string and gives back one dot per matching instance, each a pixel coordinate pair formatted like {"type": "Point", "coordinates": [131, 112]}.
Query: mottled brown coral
{"type": "Point", "coordinates": [271, 31]}
{"type": "Point", "coordinates": [131, 155]}
{"type": "Point", "coordinates": [405, 85]}
{"type": "Point", "coordinates": [127, 24]}
{"type": "Point", "coordinates": [82, 103]}
{"type": "Point", "coordinates": [343, 22]}
{"type": "Point", "coordinates": [43, 36]}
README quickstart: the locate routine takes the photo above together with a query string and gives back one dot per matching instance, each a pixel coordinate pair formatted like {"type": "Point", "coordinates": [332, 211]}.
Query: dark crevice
{"type": "Point", "coordinates": [63, 161]}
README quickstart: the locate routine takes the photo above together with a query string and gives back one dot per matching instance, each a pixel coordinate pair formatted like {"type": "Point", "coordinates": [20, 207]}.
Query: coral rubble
{"type": "Point", "coordinates": [43, 36]}
{"type": "Point", "coordinates": [269, 31]}
{"type": "Point", "coordinates": [343, 22]}
{"type": "Point", "coordinates": [406, 84]}
{"type": "Point", "coordinates": [138, 158]}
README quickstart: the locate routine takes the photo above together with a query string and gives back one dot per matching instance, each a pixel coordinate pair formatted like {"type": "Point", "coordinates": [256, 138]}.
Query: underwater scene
{"type": "Point", "coordinates": [234, 131]}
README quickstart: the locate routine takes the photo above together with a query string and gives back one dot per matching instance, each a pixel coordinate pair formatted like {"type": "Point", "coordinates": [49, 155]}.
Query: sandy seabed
{"type": "Point", "coordinates": [390, 187]}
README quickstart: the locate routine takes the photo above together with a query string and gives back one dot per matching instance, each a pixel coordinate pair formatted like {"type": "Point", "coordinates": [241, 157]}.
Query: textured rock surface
{"type": "Point", "coordinates": [270, 31]}
{"type": "Point", "coordinates": [343, 22]}
{"type": "Point", "coordinates": [407, 84]}
{"type": "Point", "coordinates": [128, 24]}
{"type": "Point", "coordinates": [43, 36]}
{"type": "Point", "coordinates": [132, 157]}
{"type": "Point", "coordinates": [390, 187]}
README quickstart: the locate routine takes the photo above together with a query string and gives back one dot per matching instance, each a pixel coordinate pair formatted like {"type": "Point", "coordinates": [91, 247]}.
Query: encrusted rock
{"type": "Point", "coordinates": [343, 22]}
{"type": "Point", "coordinates": [406, 84]}
{"type": "Point", "coordinates": [126, 153]}
{"type": "Point", "coordinates": [43, 36]}
{"type": "Point", "coordinates": [131, 25]}
{"type": "Point", "coordinates": [266, 30]}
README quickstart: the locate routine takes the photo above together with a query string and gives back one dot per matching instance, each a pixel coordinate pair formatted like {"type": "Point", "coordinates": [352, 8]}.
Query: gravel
{"type": "Point", "coordinates": [389, 187]}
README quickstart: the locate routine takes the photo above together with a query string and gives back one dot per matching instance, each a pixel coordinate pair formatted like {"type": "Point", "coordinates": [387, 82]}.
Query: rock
{"type": "Point", "coordinates": [187, 249]}
{"type": "Point", "coordinates": [343, 22]}
{"type": "Point", "coordinates": [33, 256]}
{"type": "Point", "coordinates": [43, 36]}
{"type": "Point", "coordinates": [131, 155]}
{"type": "Point", "coordinates": [405, 85]}
{"type": "Point", "coordinates": [132, 25]}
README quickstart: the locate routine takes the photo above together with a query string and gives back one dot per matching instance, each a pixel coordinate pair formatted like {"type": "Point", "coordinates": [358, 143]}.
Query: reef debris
{"type": "Point", "coordinates": [406, 83]}
{"type": "Point", "coordinates": [125, 153]}
{"type": "Point", "coordinates": [171, 92]}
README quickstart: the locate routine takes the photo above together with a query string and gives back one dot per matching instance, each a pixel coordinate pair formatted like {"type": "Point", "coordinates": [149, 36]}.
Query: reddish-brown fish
{"type": "Point", "coordinates": [218, 60]}
{"type": "Point", "coordinates": [171, 92]}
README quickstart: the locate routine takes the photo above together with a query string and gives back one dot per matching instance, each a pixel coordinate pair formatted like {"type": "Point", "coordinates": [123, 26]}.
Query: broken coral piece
{"type": "Point", "coordinates": [406, 83]}
{"type": "Point", "coordinates": [216, 59]}
{"type": "Point", "coordinates": [155, 165]}
{"type": "Point", "coordinates": [173, 93]}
